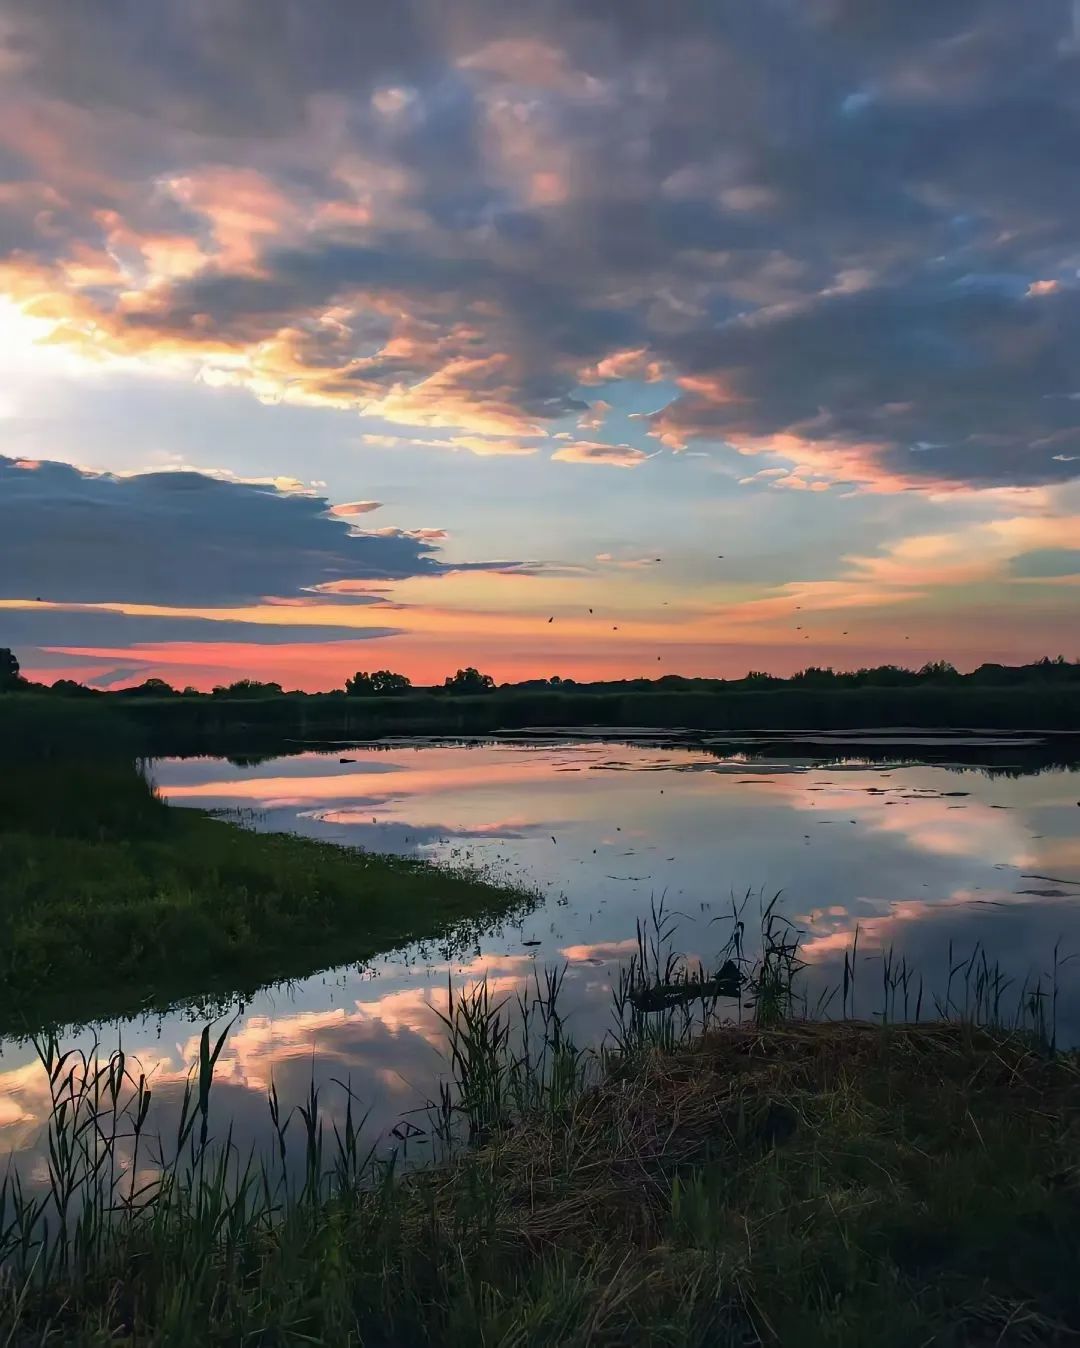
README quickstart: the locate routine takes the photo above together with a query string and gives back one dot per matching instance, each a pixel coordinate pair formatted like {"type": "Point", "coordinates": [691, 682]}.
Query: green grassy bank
{"type": "Point", "coordinates": [794, 1184]}
{"type": "Point", "coordinates": [112, 902]}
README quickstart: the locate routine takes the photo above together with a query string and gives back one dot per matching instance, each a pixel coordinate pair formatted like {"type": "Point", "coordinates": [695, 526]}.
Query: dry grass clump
{"type": "Point", "coordinates": [804, 1184]}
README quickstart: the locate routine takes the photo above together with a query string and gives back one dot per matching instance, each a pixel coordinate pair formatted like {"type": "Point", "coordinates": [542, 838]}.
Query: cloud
{"type": "Point", "coordinates": [594, 418]}
{"type": "Point", "coordinates": [54, 626]}
{"type": "Point", "coordinates": [464, 223]}
{"type": "Point", "coordinates": [178, 538]}
{"type": "Point", "coordinates": [483, 446]}
{"type": "Point", "coordinates": [588, 451]}
{"type": "Point", "coordinates": [356, 507]}
{"type": "Point", "coordinates": [892, 386]}
{"type": "Point", "coordinates": [633, 364]}
{"type": "Point", "coordinates": [627, 563]}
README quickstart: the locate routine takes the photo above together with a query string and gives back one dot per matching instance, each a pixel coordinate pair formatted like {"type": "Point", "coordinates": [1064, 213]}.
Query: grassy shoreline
{"type": "Point", "coordinates": [115, 903]}
{"type": "Point", "coordinates": [830, 1185]}
{"type": "Point", "coordinates": [691, 1183]}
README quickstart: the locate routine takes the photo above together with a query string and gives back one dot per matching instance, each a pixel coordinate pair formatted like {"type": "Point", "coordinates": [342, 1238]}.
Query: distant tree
{"type": "Point", "coordinates": [9, 670]}
{"type": "Point", "coordinates": [758, 679]}
{"type": "Point", "coordinates": [814, 677]}
{"type": "Point", "coordinates": [886, 676]}
{"type": "Point", "coordinates": [191, 691]}
{"type": "Point", "coordinates": [71, 688]}
{"type": "Point", "coordinates": [939, 670]}
{"type": "Point", "coordinates": [380, 683]}
{"type": "Point", "coordinates": [149, 688]}
{"type": "Point", "coordinates": [1056, 670]}
{"type": "Point", "coordinates": [469, 681]}
{"type": "Point", "coordinates": [988, 674]}
{"type": "Point", "coordinates": [248, 688]}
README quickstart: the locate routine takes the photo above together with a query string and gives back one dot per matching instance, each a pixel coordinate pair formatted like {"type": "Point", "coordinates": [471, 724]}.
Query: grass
{"type": "Point", "coordinates": [779, 1181]}
{"type": "Point", "coordinates": [691, 1182]}
{"type": "Point", "coordinates": [113, 902]}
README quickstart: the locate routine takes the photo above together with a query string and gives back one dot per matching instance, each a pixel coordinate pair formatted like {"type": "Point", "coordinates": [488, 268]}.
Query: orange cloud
{"type": "Point", "coordinates": [614, 456]}
{"type": "Point", "coordinates": [594, 418]}
{"type": "Point", "coordinates": [630, 364]}
{"type": "Point", "coordinates": [487, 447]}
{"type": "Point", "coordinates": [244, 209]}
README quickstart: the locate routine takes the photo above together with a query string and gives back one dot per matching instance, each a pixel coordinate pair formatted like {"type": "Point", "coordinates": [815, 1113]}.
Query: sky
{"type": "Point", "coordinates": [596, 339]}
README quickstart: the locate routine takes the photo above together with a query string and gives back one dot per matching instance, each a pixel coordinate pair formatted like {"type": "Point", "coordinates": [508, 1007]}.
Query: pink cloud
{"type": "Point", "coordinates": [483, 446]}
{"type": "Point", "coordinates": [594, 418]}
{"type": "Point", "coordinates": [531, 62]}
{"type": "Point", "coordinates": [631, 364]}
{"type": "Point", "coordinates": [614, 456]}
{"type": "Point", "coordinates": [244, 209]}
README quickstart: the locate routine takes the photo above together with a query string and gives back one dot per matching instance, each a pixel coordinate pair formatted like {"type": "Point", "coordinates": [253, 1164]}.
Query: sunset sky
{"type": "Point", "coordinates": [727, 336]}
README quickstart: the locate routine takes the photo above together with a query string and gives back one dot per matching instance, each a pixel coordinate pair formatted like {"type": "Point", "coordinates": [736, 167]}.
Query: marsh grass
{"type": "Point", "coordinates": [114, 903]}
{"type": "Point", "coordinates": [692, 1181]}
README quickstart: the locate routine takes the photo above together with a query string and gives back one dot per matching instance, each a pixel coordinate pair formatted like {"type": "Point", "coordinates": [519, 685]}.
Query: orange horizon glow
{"type": "Point", "coordinates": [321, 667]}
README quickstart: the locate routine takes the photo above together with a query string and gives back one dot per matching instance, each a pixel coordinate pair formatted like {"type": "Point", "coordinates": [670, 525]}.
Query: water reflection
{"type": "Point", "coordinates": [912, 854]}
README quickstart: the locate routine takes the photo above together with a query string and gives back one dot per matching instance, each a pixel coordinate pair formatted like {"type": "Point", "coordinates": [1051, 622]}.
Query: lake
{"type": "Point", "coordinates": [918, 841]}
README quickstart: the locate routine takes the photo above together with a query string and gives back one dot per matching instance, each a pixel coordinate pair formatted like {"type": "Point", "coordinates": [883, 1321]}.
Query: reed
{"type": "Point", "coordinates": [722, 1170]}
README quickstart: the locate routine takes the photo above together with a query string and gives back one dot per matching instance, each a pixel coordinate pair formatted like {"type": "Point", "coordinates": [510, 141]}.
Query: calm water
{"type": "Point", "coordinates": [916, 854]}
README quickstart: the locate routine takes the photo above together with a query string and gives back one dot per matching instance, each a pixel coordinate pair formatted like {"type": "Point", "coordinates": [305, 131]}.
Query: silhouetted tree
{"type": "Point", "coordinates": [1056, 670]}
{"type": "Point", "coordinates": [9, 670]}
{"type": "Point", "coordinates": [813, 677]}
{"type": "Point", "coordinates": [149, 688]}
{"type": "Point", "coordinates": [248, 688]}
{"type": "Point", "coordinates": [940, 670]}
{"type": "Point", "coordinates": [71, 688]}
{"type": "Point", "coordinates": [469, 681]}
{"type": "Point", "coordinates": [886, 676]}
{"type": "Point", "coordinates": [380, 683]}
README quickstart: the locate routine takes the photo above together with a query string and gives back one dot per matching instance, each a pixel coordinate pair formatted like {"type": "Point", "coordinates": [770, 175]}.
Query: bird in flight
{"type": "Point", "coordinates": [551, 619]}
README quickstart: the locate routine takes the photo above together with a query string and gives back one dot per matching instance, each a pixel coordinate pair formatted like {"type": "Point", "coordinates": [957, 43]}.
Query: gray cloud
{"type": "Point", "coordinates": [963, 382]}
{"type": "Point", "coordinates": [792, 197]}
{"type": "Point", "coordinates": [183, 538]}
{"type": "Point", "coordinates": [45, 626]}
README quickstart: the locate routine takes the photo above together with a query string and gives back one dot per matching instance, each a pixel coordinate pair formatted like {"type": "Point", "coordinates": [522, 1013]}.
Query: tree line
{"type": "Point", "coordinates": [383, 683]}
